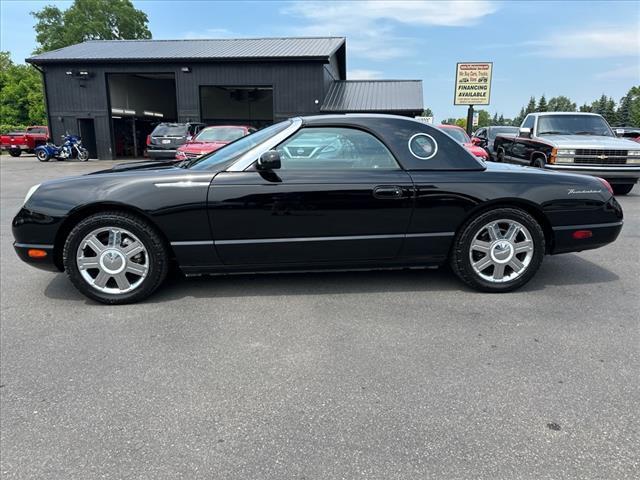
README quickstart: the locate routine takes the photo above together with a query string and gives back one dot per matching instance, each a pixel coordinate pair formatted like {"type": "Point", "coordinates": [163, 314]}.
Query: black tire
{"type": "Point", "coordinates": [460, 256]}
{"type": "Point", "coordinates": [538, 162]}
{"type": "Point", "coordinates": [622, 189]}
{"type": "Point", "coordinates": [158, 257]}
{"type": "Point", "coordinates": [500, 156]}
{"type": "Point", "coordinates": [43, 156]}
{"type": "Point", "coordinates": [83, 156]}
{"type": "Point", "coordinates": [15, 152]}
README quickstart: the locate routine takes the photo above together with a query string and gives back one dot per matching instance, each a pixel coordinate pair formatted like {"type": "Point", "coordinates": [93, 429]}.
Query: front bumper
{"type": "Point", "coordinates": [43, 263]}
{"type": "Point", "coordinates": [612, 174]}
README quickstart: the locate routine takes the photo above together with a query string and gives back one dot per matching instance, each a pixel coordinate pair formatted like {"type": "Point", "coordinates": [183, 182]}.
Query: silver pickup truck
{"type": "Point", "coordinates": [575, 143]}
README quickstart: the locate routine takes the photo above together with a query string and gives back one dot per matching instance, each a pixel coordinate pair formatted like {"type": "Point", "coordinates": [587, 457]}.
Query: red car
{"type": "Point", "coordinates": [211, 139]}
{"type": "Point", "coordinates": [460, 136]}
{"type": "Point", "coordinates": [27, 141]}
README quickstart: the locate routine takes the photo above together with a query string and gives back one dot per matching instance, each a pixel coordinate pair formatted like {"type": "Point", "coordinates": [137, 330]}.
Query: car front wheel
{"type": "Point", "coordinates": [115, 258]}
{"type": "Point", "coordinates": [498, 251]}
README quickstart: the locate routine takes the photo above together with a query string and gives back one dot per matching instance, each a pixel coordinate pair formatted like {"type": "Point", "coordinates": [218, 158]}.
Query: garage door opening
{"type": "Point", "coordinates": [227, 105]}
{"type": "Point", "coordinates": [139, 101]}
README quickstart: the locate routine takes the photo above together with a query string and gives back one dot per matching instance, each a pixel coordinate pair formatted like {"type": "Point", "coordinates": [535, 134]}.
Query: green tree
{"type": "Point", "coordinates": [449, 121]}
{"type": "Point", "coordinates": [623, 115]}
{"type": "Point", "coordinates": [21, 99]}
{"type": "Point", "coordinates": [561, 104]}
{"type": "Point", "coordinates": [461, 122]}
{"type": "Point", "coordinates": [427, 113]}
{"type": "Point", "coordinates": [585, 108]}
{"type": "Point", "coordinates": [484, 119]}
{"type": "Point", "coordinates": [89, 20]}
{"type": "Point", "coordinates": [634, 106]}
{"type": "Point", "coordinates": [531, 107]}
{"type": "Point", "coordinates": [542, 104]}
{"type": "Point", "coordinates": [501, 120]}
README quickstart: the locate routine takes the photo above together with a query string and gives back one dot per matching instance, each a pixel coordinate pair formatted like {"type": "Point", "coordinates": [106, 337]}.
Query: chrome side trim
{"type": "Point", "coordinates": [195, 242]}
{"type": "Point", "coordinates": [436, 234]}
{"type": "Point", "coordinates": [330, 239]}
{"type": "Point", "coordinates": [595, 225]}
{"type": "Point", "coordinates": [252, 155]}
{"type": "Point", "coordinates": [32, 245]}
{"type": "Point", "coordinates": [182, 184]}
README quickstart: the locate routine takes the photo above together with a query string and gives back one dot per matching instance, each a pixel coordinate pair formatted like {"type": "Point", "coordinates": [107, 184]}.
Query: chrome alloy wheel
{"type": "Point", "coordinates": [112, 260]}
{"type": "Point", "coordinates": [501, 251]}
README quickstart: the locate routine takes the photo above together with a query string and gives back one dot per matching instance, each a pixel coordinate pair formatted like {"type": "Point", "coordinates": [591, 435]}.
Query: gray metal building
{"type": "Point", "coordinates": [114, 92]}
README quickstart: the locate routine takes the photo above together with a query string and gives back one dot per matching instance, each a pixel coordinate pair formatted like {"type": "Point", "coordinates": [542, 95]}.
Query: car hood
{"type": "Point", "coordinates": [589, 141]}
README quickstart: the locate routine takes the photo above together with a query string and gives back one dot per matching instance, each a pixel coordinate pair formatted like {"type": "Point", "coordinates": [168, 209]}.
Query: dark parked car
{"type": "Point", "coordinates": [323, 192]}
{"type": "Point", "coordinates": [485, 136]}
{"type": "Point", "coordinates": [630, 133]}
{"type": "Point", "coordinates": [167, 137]}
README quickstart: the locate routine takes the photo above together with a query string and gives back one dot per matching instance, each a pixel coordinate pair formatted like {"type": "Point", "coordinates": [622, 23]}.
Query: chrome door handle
{"type": "Point", "coordinates": [388, 191]}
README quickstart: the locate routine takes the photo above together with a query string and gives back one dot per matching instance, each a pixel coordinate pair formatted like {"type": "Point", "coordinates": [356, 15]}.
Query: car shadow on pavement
{"type": "Point", "coordinates": [567, 269]}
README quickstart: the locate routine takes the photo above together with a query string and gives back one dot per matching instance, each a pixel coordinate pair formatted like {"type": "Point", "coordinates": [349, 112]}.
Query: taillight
{"type": "Point", "coordinates": [606, 184]}
{"type": "Point", "coordinates": [148, 140]}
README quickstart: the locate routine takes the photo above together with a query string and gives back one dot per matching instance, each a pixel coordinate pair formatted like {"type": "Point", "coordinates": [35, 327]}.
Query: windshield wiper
{"type": "Point", "coordinates": [552, 132]}
{"type": "Point", "coordinates": [591, 133]}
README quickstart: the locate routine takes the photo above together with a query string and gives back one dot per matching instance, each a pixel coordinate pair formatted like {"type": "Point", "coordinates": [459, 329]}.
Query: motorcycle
{"type": "Point", "coordinates": [71, 146]}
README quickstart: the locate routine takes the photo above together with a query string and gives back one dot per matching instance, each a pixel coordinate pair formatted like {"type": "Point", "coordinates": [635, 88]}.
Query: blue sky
{"type": "Point", "coordinates": [578, 49]}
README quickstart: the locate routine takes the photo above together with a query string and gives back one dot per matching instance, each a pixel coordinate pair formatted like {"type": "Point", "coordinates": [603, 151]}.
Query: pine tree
{"type": "Point", "coordinates": [501, 120]}
{"type": "Point", "coordinates": [542, 104]}
{"type": "Point", "coordinates": [531, 107]}
{"type": "Point", "coordinates": [586, 108]}
{"type": "Point", "coordinates": [623, 117]}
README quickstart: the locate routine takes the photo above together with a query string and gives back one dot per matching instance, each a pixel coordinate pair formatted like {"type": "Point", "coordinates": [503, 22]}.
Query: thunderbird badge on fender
{"type": "Point", "coordinates": [324, 192]}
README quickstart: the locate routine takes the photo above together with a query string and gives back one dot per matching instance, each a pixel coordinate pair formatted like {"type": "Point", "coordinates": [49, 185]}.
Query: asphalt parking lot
{"type": "Point", "coordinates": [386, 375]}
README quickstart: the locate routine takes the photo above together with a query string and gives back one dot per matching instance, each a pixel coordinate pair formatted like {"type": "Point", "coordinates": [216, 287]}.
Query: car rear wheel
{"type": "Point", "coordinates": [115, 258]}
{"type": "Point", "coordinates": [15, 152]}
{"type": "Point", "coordinates": [498, 251]}
{"type": "Point", "coordinates": [500, 156]}
{"type": "Point", "coordinates": [42, 155]}
{"type": "Point", "coordinates": [622, 189]}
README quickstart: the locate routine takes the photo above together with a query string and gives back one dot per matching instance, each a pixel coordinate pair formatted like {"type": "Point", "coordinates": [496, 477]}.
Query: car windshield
{"type": "Point", "coordinates": [170, 130]}
{"type": "Point", "coordinates": [220, 134]}
{"type": "Point", "coordinates": [458, 134]}
{"type": "Point", "coordinates": [573, 125]}
{"type": "Point", "coordinates": [493, 132]}
{"type": "Point", "coordinates": [237, 148]}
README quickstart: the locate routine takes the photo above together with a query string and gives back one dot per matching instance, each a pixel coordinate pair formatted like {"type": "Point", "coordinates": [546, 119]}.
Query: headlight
{"type": "Point", "coordinates": [31, 191]}
{"type": "Point", "coordinates": [563, 151]}
{"type": "Point", "coordinates": [634, 153]}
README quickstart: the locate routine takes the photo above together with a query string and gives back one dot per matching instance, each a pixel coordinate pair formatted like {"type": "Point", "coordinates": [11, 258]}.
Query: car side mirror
{"type": "Point", "coordinates": [269, 161]}
{"type": "Point", "coordinates": [525, 132]}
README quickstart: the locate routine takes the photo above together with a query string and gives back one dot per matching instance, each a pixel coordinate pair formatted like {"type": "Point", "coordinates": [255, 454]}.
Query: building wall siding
{"type": "Point", "coordinates": [296, 87]}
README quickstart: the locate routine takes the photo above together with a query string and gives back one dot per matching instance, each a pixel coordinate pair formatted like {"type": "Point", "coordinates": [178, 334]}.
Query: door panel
{"type": "Point", "coordinates": [307, 216]}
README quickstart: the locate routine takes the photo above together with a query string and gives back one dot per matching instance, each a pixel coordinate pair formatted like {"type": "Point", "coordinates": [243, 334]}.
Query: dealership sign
{"type": "Point", "coordinates": [473, 83]}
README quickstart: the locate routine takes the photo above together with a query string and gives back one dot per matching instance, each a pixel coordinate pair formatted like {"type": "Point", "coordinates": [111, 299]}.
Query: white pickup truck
{"type": "Point", "coordinates": [574, 143]}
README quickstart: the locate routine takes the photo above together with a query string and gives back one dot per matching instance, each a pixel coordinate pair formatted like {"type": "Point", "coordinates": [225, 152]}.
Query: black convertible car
{"type": "Point", "coordinates": [313, 193]}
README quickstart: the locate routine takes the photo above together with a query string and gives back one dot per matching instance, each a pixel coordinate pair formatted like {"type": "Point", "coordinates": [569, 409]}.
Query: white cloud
{"type": "Point", "coordinates": [363, 74]}
{"type": "Point", "coordinates": [370, 25]}
{"type": "Point", "coordinates": [595, 42]}
{"type": "Point", "coordinates": [622, 71]}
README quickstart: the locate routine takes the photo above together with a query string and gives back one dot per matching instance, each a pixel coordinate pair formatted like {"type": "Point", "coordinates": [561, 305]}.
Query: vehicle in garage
{"type": "Point", "coordinates": [574, 143]}
{"type": "Point", "coordinates": [460, 136]}
{"type": "Point", "coordinates": [211, 139]}
{"type": "Point", "coordinates": [165, 139]}
{"type": "Point", "coordinates": [17, 142]}
{"type": "Point", "coordinates": [485, 136]}
{"type": "Point", "coordinates": [375, 191]}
